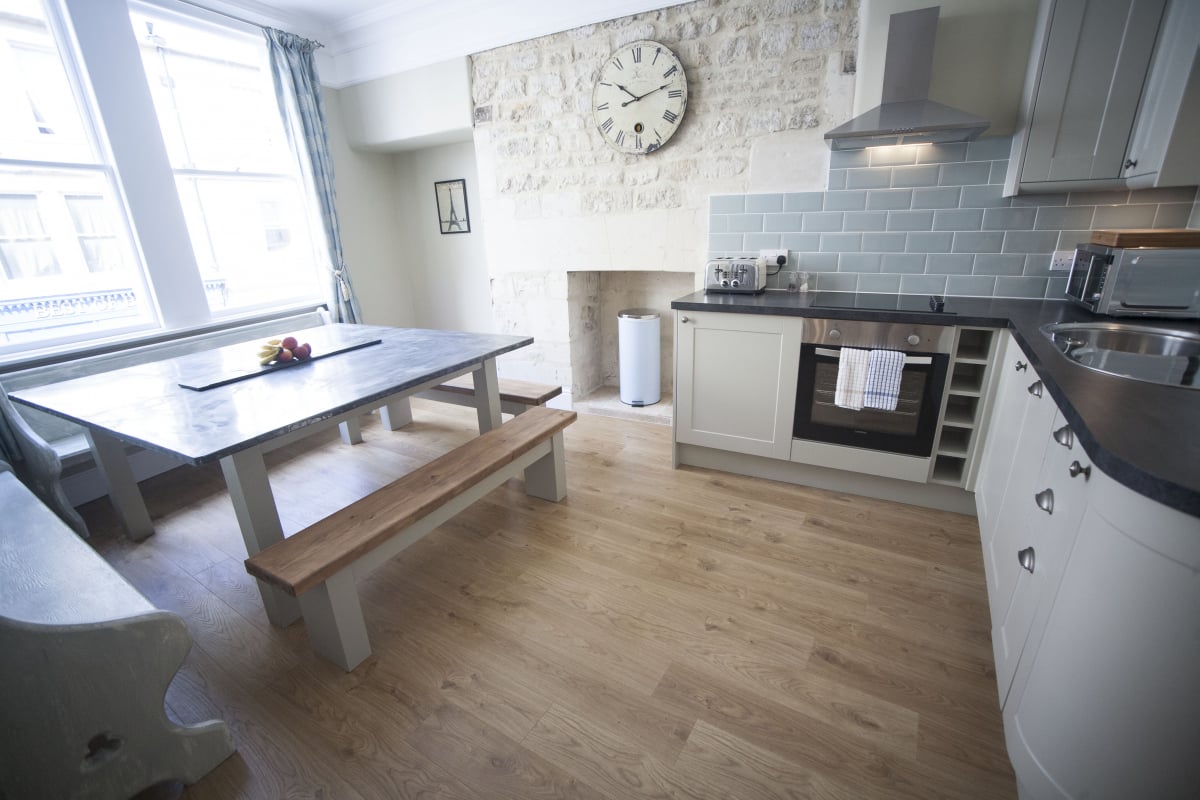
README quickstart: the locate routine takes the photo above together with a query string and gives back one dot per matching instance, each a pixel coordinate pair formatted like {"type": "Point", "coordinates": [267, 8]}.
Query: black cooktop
{"type": "Point", "coordinates": [915, 303]}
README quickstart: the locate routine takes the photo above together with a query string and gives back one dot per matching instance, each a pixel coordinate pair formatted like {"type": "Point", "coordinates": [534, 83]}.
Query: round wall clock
{"type": "Point", "coordinates": [639, 98]}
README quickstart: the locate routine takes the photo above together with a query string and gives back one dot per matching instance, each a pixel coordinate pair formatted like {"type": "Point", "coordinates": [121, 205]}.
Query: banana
{"type": "Point", "coordinates": [275, 341]}
{"type": "Point", "coordinates": [264, 360]}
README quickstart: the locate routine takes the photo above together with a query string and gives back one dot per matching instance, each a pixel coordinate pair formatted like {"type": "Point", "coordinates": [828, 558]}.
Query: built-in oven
{"type": "Point", "coordinates": [908, 430]}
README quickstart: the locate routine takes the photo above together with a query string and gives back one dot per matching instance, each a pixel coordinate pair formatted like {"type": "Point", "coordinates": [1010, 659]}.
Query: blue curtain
{"type": "Point", "coordinates": [295, 73]}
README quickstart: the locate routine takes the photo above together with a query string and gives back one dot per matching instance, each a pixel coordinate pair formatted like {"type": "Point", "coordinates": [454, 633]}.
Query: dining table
{"type": "Point", "coordinates": [223, 405]}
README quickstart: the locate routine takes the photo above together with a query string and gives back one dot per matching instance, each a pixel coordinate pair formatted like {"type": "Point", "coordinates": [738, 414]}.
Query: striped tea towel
{"type": "Point", "coordinates": [883, 379]}
{"type": "Point", "coordinates": [851, 379]}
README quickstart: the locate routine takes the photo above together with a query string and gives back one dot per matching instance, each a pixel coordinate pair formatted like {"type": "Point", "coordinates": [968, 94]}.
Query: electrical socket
{"type": "Point", "coordinates": [770, 258]}
{"type": "Point", "coordinates": [1061, 260]}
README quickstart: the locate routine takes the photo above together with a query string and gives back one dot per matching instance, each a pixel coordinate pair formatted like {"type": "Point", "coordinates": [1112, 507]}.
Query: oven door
{"type": "Point", "coordinates": [908, 430]}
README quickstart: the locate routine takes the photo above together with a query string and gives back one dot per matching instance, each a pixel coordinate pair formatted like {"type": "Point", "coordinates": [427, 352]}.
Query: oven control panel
{"type": "Point", "coordinates": [879, 335]}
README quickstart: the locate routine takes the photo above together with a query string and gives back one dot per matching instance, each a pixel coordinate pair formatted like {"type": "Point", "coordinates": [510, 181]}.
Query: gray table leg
{"type": "Point", "coordinates": [487, 395]}
{"type": "Point", "coordinates": [254, 505]}
{"type": "Point", "coordinates": [395, 414]}
{"type": "Point", "coordinates": [123, 490]}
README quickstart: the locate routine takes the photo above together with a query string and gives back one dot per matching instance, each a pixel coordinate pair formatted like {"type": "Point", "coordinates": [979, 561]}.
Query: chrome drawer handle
{"type": "Point", "coordinates": [1076, 469]}
{"type": "Point", "coordinates": [684, 318]}
{"type": "Point", "coordinates": [1035, 389]}
{"type": "Point", "coordinates": [1021, 366]}
{"type": "Point", "coordinates": [1025, 558]}
{"type": "Point", "coordinates": [1045, 500]}
{"type": "Point", "coordinates": [1064, 436]}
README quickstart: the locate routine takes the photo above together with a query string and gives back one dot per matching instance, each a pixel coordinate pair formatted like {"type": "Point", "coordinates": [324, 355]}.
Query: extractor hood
{"type": "Point", "coordinates": [906, 115]}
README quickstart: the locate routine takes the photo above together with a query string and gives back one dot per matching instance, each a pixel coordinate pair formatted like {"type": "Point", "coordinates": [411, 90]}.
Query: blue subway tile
{"type": "Point", "coordinates": [944, 197]}
{"type": "Point", "coordinates": [764, 203]}
{"type": "Point", "coordinates": [865, 220]}
{"type": "Point", "coordinates": [892, 156]}
{"type": "Point", "coordinates": [1172, 215]}
{"type": "Point", "coordinates": [880, 178]}
{"type": "Point", "coordinates": [983, 197]}
{"type": "Point", "coordinates": [923, 284]}
{"type": "Point", "coordinates": [968, 173]}
{"type": "Point", "coordinates": [745, 223]}
{"type": "Point", "coordinates": [1069, 240]}
{"type": "Point", "coordinates": [858, 262]}
{"type": "Point", "coordinates": [836, 282]}
{"type": "Point", "coordinates": [942, 153]}
{"type": "Point", "coordinates": [1021, 287]}
{"type": "Point", "coordinates": [989, 148]}
{"type": "Point", "coordinates": [1053, 199]}
{"type": "Point", "coordinates": [1124, 216]}
{"type": "Point", "coordinates": [843, 159]}
{"type": "Point", "coordinates": [913, 263]}
{"type": "Point", "coordinates": [841, 242]}
{"type": "Point", "coordinates": [950, 264]}
{"type": "Point", "coordinates": [1020, 219]}
{"type": "Point", "coordinates": [971, 242]}
{"type": "Point", "coordinates": [884, 284]}
{"type": "Point", "coordinates": [1056, 288]}
{"type": "Point", "coordinates": [817, 262]}
{"type": "Point", "coordinates": [718, 223]}
{"type": "Point", "coordinates": [970, 285]}
{"type": "Point", "coordinates": [1030, 241]}
{"type": "Point", "coordinates": [999, 172]}
{"type": "Point", "coordinates": [836, 180]}
{"type": "Point", "coordinates": [824, 221]}
{"type": "Point", "coordinates": [996, 264]}
{"type": "Point", "coordinates": [1037, 265]}
{"type": "Point", "coordinates": [1057, 218]}
{"type": "Point", "coordinates": [801, 241]}
{"type": "Point", "coordinates": [724, 241]}
{"type": "Point", "coordinates": [781, 223]}
{"type": "Point", "coordinates": [920, 175]}
{"type": "Point", "coordinates": [1113, 198]}
{"type": "Point", "coordinates": [910, 220]}
{"type": "Point", "coordinates": [845, 201]}
{"type": "Point", "coordinates": [929, 242]}
{"type": "Point", "coordinates": [884, 242]}
{"type": "Point", "coordinates": [760, 241]}
{"type": "Point", "coordinates": [803, 201]}
{"type": "Point", "coordinates": [727, 203]}
{"type": "Point", "coordinates": [1166, 194]}
{"type": "Point", "coordinates": [966, 219]}
{"type": "Point", "coordinates": [889, 199]}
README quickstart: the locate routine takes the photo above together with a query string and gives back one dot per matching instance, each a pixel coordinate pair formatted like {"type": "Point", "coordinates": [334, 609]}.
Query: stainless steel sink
{"type": "Point", "coordinates": [1170, 356]}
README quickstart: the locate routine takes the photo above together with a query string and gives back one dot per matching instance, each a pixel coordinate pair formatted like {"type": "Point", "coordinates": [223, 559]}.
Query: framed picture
{"type": "Point", "coordinates": [452, 206]}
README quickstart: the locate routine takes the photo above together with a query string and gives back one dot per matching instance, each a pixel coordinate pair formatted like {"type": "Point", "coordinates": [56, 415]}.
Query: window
{"type": "Point", "coordinates": [189, 208]}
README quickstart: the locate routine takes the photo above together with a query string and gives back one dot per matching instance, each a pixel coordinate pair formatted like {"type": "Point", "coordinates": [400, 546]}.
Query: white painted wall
{"type": "Point", "coordinates": [979, 58]}
{"type": "Point", "coordinates": [448, 272]}
{"type": "Point", "coordinates": [374, 244]}
{"type": "Point", "coordinates": [419, 108]}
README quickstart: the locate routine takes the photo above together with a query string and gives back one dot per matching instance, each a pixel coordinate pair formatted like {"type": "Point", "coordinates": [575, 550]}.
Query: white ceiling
{"type": "Point", "coordinates": [367, 39]}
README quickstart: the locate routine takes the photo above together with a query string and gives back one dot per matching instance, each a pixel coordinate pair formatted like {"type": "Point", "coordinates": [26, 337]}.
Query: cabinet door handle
{"type": "Point", "coordinates": [1035, 389]}
{"type": "Point", "coordinates": [1045, 500]}
{"type": "Point", "coordinates": [1064, 436]}
{"type": "Point", "coordinates": [1076, 469]}
{"type": "Point", "coordinates": [1130, 163]}
{"type": "Point", "coordinates": [1021, 366]}
{"type": "Point", "coordinates": [684, 318]}
{"type": "Point", "coordinates": [1025, 558]}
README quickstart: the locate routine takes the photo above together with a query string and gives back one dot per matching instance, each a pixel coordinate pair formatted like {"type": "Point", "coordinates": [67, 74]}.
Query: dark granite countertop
{"type": "Point", "coordinates": [1144, 435]}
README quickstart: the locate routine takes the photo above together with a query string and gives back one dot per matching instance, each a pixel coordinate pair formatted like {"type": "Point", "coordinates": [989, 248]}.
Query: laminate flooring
{"type": "Point", "coordinates": [661, 633]}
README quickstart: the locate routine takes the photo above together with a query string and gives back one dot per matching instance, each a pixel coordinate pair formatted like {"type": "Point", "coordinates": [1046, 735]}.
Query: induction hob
{"type": "Point", "coordinates": [912, 303]}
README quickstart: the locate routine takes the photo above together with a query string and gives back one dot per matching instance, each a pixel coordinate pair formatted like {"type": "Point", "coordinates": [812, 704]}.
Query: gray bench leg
{"type": "Point", "coordinates": [351, 431]}
{"type": "Point", "coordinates": [395, 414]}
{"type": "Point", "coordinates": [547, 477]}
{"type": "Point", "coordinates": [123, 490]}
{"type": "Point", "coordinates": [487, 396]}
{"type": "Point", "coordinates": [334, 620]}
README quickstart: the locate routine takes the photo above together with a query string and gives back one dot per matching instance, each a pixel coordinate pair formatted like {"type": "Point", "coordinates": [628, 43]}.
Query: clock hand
{"type": "Point", "coordinates": [647, 94]}
{"type": "Point", "coordinates": [626, 91]}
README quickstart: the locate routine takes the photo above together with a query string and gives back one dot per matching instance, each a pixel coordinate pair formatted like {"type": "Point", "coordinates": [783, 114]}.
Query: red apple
{"type": "Point", "coordinates": [289, 343]}
{"type": "Point", "coordinates": [302, 351]}
{"type": "Point", "coordinates": [284, 355]}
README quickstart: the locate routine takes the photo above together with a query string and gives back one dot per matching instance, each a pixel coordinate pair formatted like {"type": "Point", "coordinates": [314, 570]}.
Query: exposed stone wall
{"type": "Point", "coordinates": [765, 80]}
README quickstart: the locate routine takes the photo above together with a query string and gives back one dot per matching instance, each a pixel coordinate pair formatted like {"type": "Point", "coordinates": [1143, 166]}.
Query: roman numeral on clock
{"type": "Point", "coordinates": [670, 116]}
{"type": "Point", "coordinates": [637, 142]}
{"type": "Point", "coordinates": [602, 107]}
{"type": "Point", "coordinates": [674, 68]}
{"type": "Point", "coordinates": [675, 93]}
{"type": "Point", "coordinates": [657, 53]}
{"type": "Point", "coordinates": [606, 126]}
{"type": "Point", "coordinates": [620, 137]}
{"type": "Point", "coordinates": [617, 63]}
{"type": "Point", "coordinates": [637, 55]}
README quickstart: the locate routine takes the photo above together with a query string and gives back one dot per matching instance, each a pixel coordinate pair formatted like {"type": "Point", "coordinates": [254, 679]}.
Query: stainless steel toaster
{"type": "Point", "coordinates": [734, 276]}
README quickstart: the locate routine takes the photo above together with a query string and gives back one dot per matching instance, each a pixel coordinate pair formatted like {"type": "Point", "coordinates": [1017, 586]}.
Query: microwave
{"type": "Point", "coordinates": [1136, 281]}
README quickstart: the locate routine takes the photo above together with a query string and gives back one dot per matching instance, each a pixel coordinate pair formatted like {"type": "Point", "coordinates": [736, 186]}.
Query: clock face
{"type": "Point", "coordinates": [639, 98]}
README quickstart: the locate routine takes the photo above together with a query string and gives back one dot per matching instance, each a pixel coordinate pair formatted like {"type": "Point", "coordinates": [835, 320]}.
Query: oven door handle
{"type": "Point", "coordinates": [915, 360]}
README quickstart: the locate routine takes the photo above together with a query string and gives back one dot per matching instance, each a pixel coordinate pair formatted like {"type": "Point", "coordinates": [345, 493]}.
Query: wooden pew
{"type": "Point", "coordinates": [320, 564]}
{"type": "Point", "coordinates": [85, 661]}
{"type": "Point", "coordinates": [515, 396]}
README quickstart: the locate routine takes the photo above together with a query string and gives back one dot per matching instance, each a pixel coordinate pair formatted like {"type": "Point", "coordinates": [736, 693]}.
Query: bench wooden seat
{"type": "Point", "coordinates": [320, 563]}
{"type": "Point", "coordinates": [516, 396]}
{"type": "Point", "coordinates": [85, 661]}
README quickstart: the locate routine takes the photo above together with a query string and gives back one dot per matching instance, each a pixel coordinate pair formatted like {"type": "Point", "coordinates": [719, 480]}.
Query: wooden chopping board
{"type": "Point", "coordinates": [1148, 237]}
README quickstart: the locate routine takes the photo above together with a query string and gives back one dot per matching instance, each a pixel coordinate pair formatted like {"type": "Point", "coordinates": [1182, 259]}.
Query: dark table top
{"type": "Point", "coordinates": [145, 404]}
{"type": "Point", "coordinates": [1144, 435]}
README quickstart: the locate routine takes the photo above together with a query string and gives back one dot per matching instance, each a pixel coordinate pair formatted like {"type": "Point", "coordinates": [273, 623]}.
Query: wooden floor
{"type": "Point", "coordinates": [661, 633]}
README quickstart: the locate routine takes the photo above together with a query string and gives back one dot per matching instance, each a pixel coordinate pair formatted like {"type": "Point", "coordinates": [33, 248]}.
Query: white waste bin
{"type": "Point", "coordinates": [638, 354]}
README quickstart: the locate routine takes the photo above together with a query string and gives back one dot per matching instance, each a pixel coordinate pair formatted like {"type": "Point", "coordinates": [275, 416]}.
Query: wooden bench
{"type": "Point", "coordinates": [85, 661]}
{"type": "Point", "coordinates": [319, 564]}
{"type": "Point", "coordinates": [515, 396]}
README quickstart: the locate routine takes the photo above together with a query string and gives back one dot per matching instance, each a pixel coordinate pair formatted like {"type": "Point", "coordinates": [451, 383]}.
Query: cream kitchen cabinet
{"type": "Point", "coordinates": [736, 381]}
{"type": "Point", "coordinates": [1109, 97]}
{"type": "Point", "coordinates": [1105, 698]}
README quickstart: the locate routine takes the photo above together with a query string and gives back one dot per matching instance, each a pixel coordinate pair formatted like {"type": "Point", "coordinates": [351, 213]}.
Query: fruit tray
{"type": "Point", "coordinates": [211, 381]}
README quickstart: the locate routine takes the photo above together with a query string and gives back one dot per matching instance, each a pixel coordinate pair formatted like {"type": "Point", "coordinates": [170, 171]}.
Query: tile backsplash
{"type": "Point", "coordinates": [930, 219]}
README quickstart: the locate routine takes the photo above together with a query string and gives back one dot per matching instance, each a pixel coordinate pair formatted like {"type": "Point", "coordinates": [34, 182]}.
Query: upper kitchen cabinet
{"type": "Point", "coordinates": [1110, 97]}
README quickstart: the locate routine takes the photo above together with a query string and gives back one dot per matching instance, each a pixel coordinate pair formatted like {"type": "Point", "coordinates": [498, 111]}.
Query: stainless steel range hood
{"type": "Point", "coordinates": [906, 115]}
